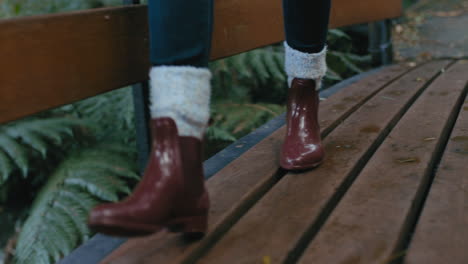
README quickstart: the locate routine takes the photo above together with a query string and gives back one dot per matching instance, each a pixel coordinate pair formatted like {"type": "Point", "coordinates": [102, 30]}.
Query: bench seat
{"type": "Point", "coordinates": [392, 184]}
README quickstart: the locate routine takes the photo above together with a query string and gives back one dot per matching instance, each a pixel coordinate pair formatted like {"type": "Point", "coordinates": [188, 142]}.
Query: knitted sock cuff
{"type": "Point", "coordinates": [305, 65]}
{"type": "Point", "coordinates": [183, 94]}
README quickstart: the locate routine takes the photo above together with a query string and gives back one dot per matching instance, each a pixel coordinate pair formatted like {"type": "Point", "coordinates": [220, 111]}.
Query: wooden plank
{"type": "Point", "coordinates": [372, 222]}
{"type": "Point", "coordinates": [441, 235]}
{"type": "Point", "coordinates": [281, 219]}
{"type": "Point", "coordinates": [48, 61]}
{"type": "Point", "coordinates": [242, 25]}
{"type": "Point", "coordinates": [236, 187]}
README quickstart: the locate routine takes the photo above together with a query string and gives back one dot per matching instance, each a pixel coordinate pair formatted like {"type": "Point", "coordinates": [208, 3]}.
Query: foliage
{"type": "Point", "coordinates": [77, 170]}
{"type": "Point", "coordinates": [110, 113]}
{"type": "Point", "coordinates": [21, 141]}
{"type": "Point", "coordinates": [245, 77]}
{"type": "Point", "coordinates": [342, 60]}
{"type": "Point", "coordinates": [13, 8]}
{"type": "Point", "coordinates": [57, 220]}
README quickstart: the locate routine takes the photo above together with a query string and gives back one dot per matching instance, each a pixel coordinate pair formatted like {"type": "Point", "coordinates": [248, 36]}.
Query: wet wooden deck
{"type": "Point", "coordinates": [394, 186]}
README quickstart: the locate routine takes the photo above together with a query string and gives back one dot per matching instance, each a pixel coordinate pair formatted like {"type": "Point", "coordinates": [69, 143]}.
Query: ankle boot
{"type": "Point", "coordinates": [302, 148]}
{"type": "Point", "coordinates": [170, 195]}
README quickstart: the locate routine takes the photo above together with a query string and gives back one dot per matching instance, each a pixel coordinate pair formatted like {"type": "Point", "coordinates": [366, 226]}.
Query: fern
{"type": "Point", "coordinates": [11, 8]}
{"type": "Point", "coordinates": [217, 133]}
{"type": "Point", "coordinates": [57, 220]}
{"type": "Point", "coordinates": [112, 113]}
{"type": "Point", "coordinates": [242, 77]}
{"type": "Point", "coordinates": [21, 139]}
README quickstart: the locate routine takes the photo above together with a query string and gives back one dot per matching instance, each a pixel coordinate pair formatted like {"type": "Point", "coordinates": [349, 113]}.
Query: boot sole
{"type": "Point", "coordinates": [301, 167]}
{"type": "Point", "coordinates": [191, 227]}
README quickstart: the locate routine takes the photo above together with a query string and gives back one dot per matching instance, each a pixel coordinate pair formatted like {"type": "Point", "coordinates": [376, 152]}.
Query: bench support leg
{"type": "Point", "coordinates": [142, 116]}
{"type": "Point", "coordinates": [380, 42]}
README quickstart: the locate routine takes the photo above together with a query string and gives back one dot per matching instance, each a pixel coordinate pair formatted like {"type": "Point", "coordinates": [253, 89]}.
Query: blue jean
{"type": "Point", "coordinates": [180, 30]}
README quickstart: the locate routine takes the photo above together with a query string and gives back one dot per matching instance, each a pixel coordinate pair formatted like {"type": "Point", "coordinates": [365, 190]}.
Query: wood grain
{"type": "Point", "coordinates": [441, 235]}
{"type": "Point", "coordinates": [242, 25]}
{"type": "Point", "coordinates": [51, 60]}
{"type": "Point", "coordinates": [371, 223]}
{"type": "Point", "coordinates": [234, 189]}
{"type": "Point", "coordinates": [48, 61]}
{"type": "Point", "coordinates": [278, 222]}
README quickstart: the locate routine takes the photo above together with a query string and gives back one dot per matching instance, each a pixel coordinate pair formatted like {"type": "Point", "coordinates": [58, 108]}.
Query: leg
{"type": "Point", "coordinates": [171, 193]}
{"type": "Point", "coordinates": [306, 26]}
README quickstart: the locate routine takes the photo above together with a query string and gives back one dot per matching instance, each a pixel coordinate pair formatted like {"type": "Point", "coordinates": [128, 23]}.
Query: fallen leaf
{"type": "Point", "coordinates": [408, 160]}
{"type": "Point", "coordinates": [399, 29]}
{"type": "Point", "coordinates": [453, 13]}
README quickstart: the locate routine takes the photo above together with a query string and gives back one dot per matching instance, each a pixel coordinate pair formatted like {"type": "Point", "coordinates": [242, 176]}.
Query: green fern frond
{"type": "Point", "coordinates": [17, 153]}
{"type": "Point", "coordinates": [112, 113]}
{"type": "Point", "coordinates": [239, 63]}
{"type": "Point", "coordinates": [359, 59]}
{"type": "Point", "coordinates": [116, 169]}
{"type": "Point", "coordinates": [336, 34]}
{"type": "Point", "coordinates": [243, 77]}
{"type": "Point", "coordinates": [20, 139]}
{"type": "Point", "coordinates": [96, 187]}
{"type": "Point", "coordinates": [35, 141]}
{"type": "Point", "coordinates": [76, 216]}
{"type": "Point", "coordinates": [239, 119]}
{"type": "Point", "coordinates": [55, 129]}
{"type": "Point", "coordinates": [6, 166]}
{"type": "Point", "coordinates": [332, 75]}
{"type": "Point", "coordinates": [346, 61]}
{"type": "Point", "coordinates": [56, 223]}
{"type": "Point", "coordinates": [257, 62]}
{"type": "Point", "coordinates": [217, 133]}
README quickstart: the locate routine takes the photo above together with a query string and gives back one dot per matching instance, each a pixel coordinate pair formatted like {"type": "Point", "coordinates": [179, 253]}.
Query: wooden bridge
{"type": "Point", "coordinates": [393, 187]}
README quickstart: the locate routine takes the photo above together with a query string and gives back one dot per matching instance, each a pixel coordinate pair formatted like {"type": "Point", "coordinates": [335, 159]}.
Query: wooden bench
{"type": "Point", "coordinates": [392, 185]}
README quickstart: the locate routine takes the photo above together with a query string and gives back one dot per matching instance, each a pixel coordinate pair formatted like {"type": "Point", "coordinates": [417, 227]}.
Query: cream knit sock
{"type": "Point", "coordinates": [183, 94]}
{"type": "Point", "coordinates": [305, 65]}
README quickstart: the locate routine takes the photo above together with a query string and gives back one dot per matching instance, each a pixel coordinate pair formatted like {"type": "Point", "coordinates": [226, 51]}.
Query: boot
{"type": "Point", "coordinates": [302, 148]}
{"type": "Point", "coordinates": [170, 195]}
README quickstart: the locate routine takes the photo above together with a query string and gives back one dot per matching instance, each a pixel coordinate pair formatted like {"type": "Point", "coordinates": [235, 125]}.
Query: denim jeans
{"type": "Point", "coordinates": [180, 30]}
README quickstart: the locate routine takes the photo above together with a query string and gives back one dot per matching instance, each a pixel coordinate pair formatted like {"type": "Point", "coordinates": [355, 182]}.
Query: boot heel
{"type": "Point", "coordinates": [196, 224]}
{"type": "Point", "coordinates": [192, 227]}
{"type": "Point", "coordinates": [195, 227]}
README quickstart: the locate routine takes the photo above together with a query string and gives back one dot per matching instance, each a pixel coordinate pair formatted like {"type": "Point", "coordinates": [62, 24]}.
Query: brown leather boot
{"type": "Point", "coordinates": [170, 195]}
{"type": "Point", "coordinates": [302, 148]}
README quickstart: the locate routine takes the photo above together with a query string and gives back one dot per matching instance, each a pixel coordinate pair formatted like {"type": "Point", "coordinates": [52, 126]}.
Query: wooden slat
{"type": "Point", "coordinates": [281, 219]}
{"type": "Point", "coordinates": [48, 61]}
{"type": "Point", "coordinates": [52, 60]}
{"type": "Point", "coordinates": [374, 218]}
{"type": "Point", "coordinates": [242, 25]}
{"type": "Point", "coordinates": [238, 185]}
{"type": "Point", "coordinates": [441, 235]}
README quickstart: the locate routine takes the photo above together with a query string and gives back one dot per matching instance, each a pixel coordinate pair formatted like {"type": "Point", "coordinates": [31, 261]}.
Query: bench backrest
{"type": "Point", "coordinates": [52, 60]}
